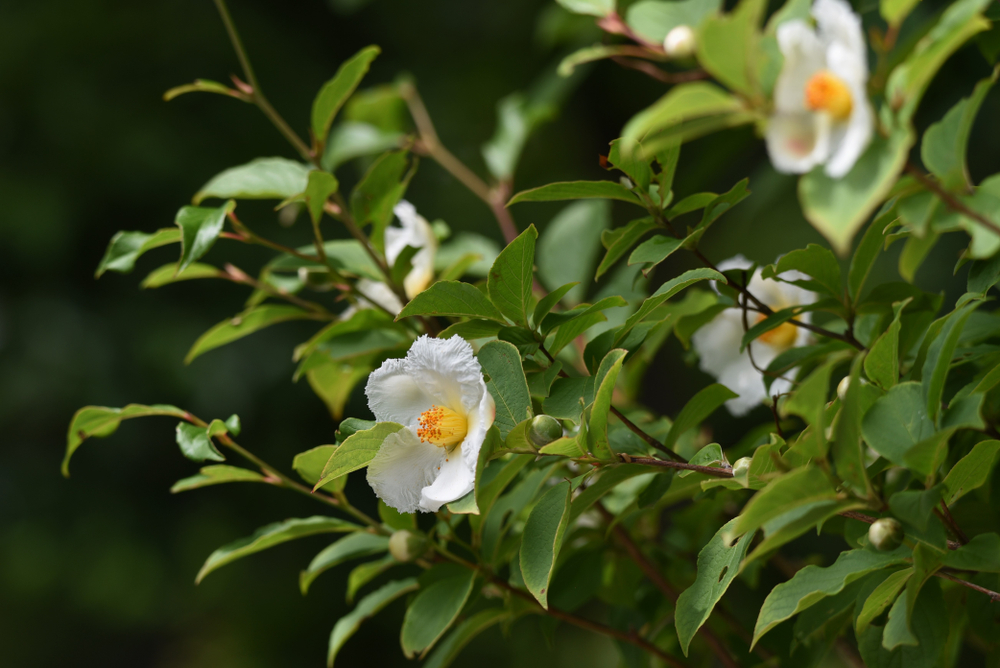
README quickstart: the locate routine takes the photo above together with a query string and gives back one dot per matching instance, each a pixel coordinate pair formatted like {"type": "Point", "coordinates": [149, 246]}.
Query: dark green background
{"type": "Point", "coordinates": [98, 570]}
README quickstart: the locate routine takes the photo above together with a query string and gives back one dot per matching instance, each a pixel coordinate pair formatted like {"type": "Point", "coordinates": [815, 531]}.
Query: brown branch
{"type": "Point", "coordinates": [945, 515]}
{"type": "Point", "coordinates": [613, 23]}
{"type": "Point", "coordinates": [995, 596]}
{"type": "Point", "coordinates": [655, 72]}
{"type": "Point", "coordinates": [682, 466]}
{"type": "Point", "coordinates": [237, 275]}
{"type": "Point", "coordinates": [948, 198]}
{"type": "Point", "coordinates": [646, 437]}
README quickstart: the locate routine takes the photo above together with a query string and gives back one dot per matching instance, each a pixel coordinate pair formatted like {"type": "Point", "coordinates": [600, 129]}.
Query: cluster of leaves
{"type": "Point", "coordinates": [556, 520]}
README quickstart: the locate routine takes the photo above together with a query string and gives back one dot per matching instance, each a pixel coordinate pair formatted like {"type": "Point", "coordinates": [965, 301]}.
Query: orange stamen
{"type": "Point", "coordinates": [826, 91]}
{"type": "Point", "coordinates": [442, 426]}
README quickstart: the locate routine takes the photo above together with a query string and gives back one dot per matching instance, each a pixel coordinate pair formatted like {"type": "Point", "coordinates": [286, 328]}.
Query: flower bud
{"type": "Point", "coordinates": [741, 467]}
{"type": "Point", "coordinates": [842, 387]}
{"type": "Point", "coordinates": [406, 545]}
{"type": "Point", "coordinates": [544, 429]}
{"type": "Point", "coordinates": [886, 534]}
{"type": "Point", "coordinates": [679, 42]}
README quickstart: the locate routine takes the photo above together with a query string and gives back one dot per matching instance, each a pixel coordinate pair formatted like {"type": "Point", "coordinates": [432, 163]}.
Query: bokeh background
{"type": "Point", "coordinates": [98, 570]}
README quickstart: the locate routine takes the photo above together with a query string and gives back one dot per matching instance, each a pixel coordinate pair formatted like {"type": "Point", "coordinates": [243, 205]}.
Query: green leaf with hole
{"type": "Point", "coordinates": [356, 451]}
{"type": "Point", "coordinates": [367, 607]}
{"type": "Point", "coordinates": [271, 535]}
{"type": "Point", "coordinates": [433, 612]}
{"type": "Point", "coordinates": [542, 539]}
{"type": "Point", "coordinates": [814, 583]}
{"type": "Point", "coordinates": [718, 565]}
{"type": "Point", "coordinates": [263, 178]}
{"type": "Point", "coordinates": [502, 363]}
{"type": "Point", "coordinates": [511, 276]}
{"type": "Point", "coordinates": [453, 299]}
{"type": "Point", "coordinates": [351, 546]}
{"type": "Point", "coordinates": [334, 93]}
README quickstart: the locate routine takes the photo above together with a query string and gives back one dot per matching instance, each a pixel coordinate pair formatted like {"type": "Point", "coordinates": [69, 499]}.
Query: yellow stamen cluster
{"type": "Point", "coordinates": [781, 337]}
{"type": "Point", "coordinates": [442, 426]}
{"type": "Point", "coordinates": [826, 91]}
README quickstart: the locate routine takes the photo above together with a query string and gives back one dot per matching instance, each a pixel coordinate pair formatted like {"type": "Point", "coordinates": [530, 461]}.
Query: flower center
{"type": "Point", "coordinates": [442, 426]}
{"type": "Point", "coordinates": [826, 91]}
{"type": "Point", "coordinates": [781, 337]}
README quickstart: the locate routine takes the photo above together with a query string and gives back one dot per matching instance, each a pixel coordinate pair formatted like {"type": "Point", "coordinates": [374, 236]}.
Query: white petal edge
{"type": "Point", "coordinates": [454, 480]}
{"type": "Point", "coordinates": [797, 142]}
{"type": "Point", "coordinates": [447, 371]}
{"type": "Point", "coordinates": [395, 396]}
{"type": "Point", "coordinates": [804, 56]}
{"type": "Point", "coordinates": [403, 468]}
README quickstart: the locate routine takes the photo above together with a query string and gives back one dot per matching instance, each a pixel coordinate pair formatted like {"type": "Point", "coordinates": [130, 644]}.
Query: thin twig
{"type": "Point", "coordinates": [256, 94]}
{"type": "Point", "coordinates": [651, 70]}
{"type": "Point", "coordinates": [683, 466]}
{"type": "Point", "coordinates": [995, 596]}
{"type": "Point", "coordinates": [945, 515]}
{"type": "Point", "coordinates": [248, 236]}
{"type": "Point", "coordinates": [948, 198]}
{"type": "Point", "coordinates": [237, 275]}
{"type": "Point", "coordinates": [646, 437]}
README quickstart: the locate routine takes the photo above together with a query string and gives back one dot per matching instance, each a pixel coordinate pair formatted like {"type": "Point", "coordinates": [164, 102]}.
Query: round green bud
{"type": "Point", "coordinates": [544, 429]}
{"type": "Point", "coordinates": [886, 534]}
{"type": "Point", "coordinates": [406, 545]}
{"type": "Point", "coordinates": [741, 467]}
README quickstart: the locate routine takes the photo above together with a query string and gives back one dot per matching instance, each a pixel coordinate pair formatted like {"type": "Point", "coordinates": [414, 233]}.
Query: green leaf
{"type": "Point", "coordinates": [379, 190]}
{"type": "Point", "coordinates": [591, 7]}
{"type": "Point", "coordinates": [263, 178]}
{"type": "Point", "coordinates": [502, 363]}
{"type": "Point", "coordinates": [814, 261]}
{"type": "Point", "coordinates": [356, 451]}
{"type": "Point", "coordinates": [555, 192]}
{"type": "Point", "coordinates": [168, 274]}
{"type": "Point", "coordinates": [655, 250]}
{"type": "Point", "coordinates": [897, 422]}
{"type": "Point", "coordinates": [971, 471]}
{"type": "Point", "coordinates": [719, 204]}
{"type": "Point", "coordinates": [945, 143]}
{"type": "Point", "coordinates": [908, 81]}
{"type": "Point", "coordinates": [894, 11]}
{"type": "Point", "coordinates": [697, 409]}
{"type": "Point", "coordinates": [653, 19]}
{"type": "Point", "coordinates": [334, 93]}
{"type": "Point", "coordinates": [271, 535]}
{"type": "Point", "coordinates": [244, 324]}
{"type": "Point", "coordinates": [809, 402]}
{"type": "Point", "coordinates": [542, 539]}
{"type": "Point", "coordinates": [215, 475]}
{"type": "Point", "coordinates": [981, 554]}
{"type": "Point", "coordinates": [718, 565]}
{"type": "Point", "coordinates": [353, 139]}
{"type": "Point", "coordinates": [882, 360]}
{"type": "Point", "coordinates": [446, 653]}
{"type": "Point", "coordinates": [838, 207]}
{"type": "Point", "coordinates": [454, 299]}
{"type": "Point", "coordinates": [662, 294]}
{"type": "Point", "coordinates": [597, 432]}
{"type": "Point", "coordinates": [548, 302]}
{"type": "Point", "coordinates": [929, 622]}
{"type": "Point", "coordinates": [101, 422]}
{"type": "Point", "coordinates": [938, 360]}
{"type": "Point", "coordinates": [564, 400]}
{"type": "Point", "coordinates": [727, 46]}
{"type": "Point", "coordinates": [620, 240]}
{"type": "Point", "coordinates": [352, 546]}
{"type": "Point", "coordinates": [867, 251]}
{"type": "Point", "coordinates": [572, 324]}
{"type": "Point", "coordinates": [814, 583]}
{"type": "Point", "coordinates": [881, 598]}
{"type": "Point", "coordinates": [470, 503]}
{"type": "Point", "coordinates": [203, 86]}
{"type": "Point", "coordinates": [334, 382]}
{"type": "Point", "coordinates": [196, 444]}
{"type": "Point", "coordinates": [433, 611]}
{"type": "Point", "coordinates": [200, 227]}
{"type": "Point", "coordinates": [472, 329]}
{"type": "Point", "coordinates": [310, 464]}
{"type": "Point", "coordinates": [848, 452]}
{"type": "Point", "coordinates": [510, 277]}
{"type": "Point", "coordinates": [568, 247]}
{"type": "Point", "coordinates": [649, 130]}
{"type": "Point", "coordinates": [800, 487]}
{"type": "Point", "coordinates": [126, 247]}
{"type": "Point", "coordinates": [364, 573]}
{"type": "Point", "coordinates": [369, 606]}
{"type": "Point", "coordinates": [319, 188]}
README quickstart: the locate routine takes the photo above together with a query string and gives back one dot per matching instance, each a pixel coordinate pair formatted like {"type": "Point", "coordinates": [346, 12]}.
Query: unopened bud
{"type": "Point", "coordinates": [886, 534]}
{"type": "Point", "coordinates": [406, 545]}
{"type": "Point", "coordinates": [679, 42]}
{"type": "Point", "coordinates": [544, 429]}
{"type": "Point", "coordinates": [741, 467]}
{"type": "Point", "coordinates": [846, 383]}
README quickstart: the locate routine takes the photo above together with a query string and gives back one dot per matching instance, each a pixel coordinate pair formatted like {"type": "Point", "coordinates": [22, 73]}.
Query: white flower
{"type": "Point", "coordinates": [718, 342]}
{"type": "Point", "coordinates": [821, 111]}
{"type": "Point", "coordinates": [438, 394]}
{"type": "Point", "coordinates": [679, 42]}
{"type": "Point", "coordinates": [375, 293]}
{"type": "Point", "coordinates": [416, 232]}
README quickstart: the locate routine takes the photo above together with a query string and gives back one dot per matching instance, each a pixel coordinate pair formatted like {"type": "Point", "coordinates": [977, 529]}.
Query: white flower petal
{"type": "Point", "coordinates": [379, 293]}
{"type": "Point", "coordinates": [447, 371]}
{"type": "Point", "coordinates": [856, 137]}
{"type": "Point", "coordinates": [744, 380]}
{"type": "Point", "coordinates": [454, 480]}
{"type": "Point", "coordinates": [403, 468]}
{"type": "Point", "coordinates": [415, 232]}
{"type": "Point", "coordinates": [395, 396]}
{"type": "Point", "coordinates": [804, 56]}
{"type": "Point", "coordinates": [797, 142]}
{"type": "Point", "coordinates": [480, 420]}
{"type": "Point", "coordinates": [837, 24]}
{"type": "Point", "coordinates": [718, 342]}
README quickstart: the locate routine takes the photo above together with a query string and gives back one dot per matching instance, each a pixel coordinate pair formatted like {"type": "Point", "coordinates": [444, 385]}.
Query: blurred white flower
{"type": "Point", "coordinates": [438, 394]}
{"type": "Point", "coordinates": [718, 342]}
{"type": "Point", "coordinates": [821, 111]}
{"type": "Point", "coordinates": [679, 42]}
{"type": "Point", "coordinates": [416, 232]}
{"type": "Point", "coordinates": [375, 294]}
